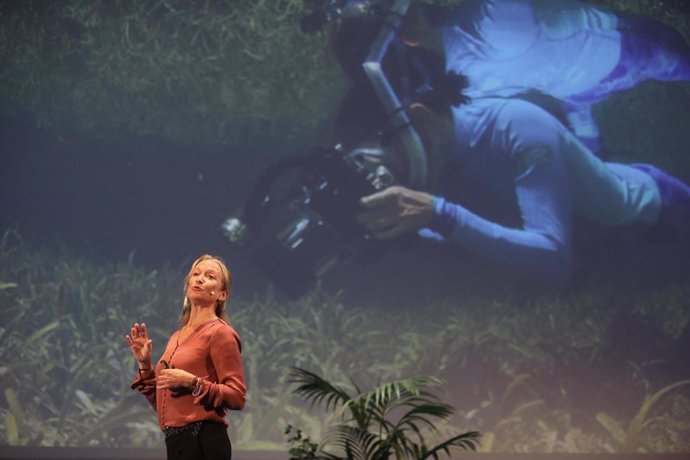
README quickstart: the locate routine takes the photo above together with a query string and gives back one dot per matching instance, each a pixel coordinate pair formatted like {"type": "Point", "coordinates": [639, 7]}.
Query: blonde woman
{"type": "Point", "coordinates": [199, 377]}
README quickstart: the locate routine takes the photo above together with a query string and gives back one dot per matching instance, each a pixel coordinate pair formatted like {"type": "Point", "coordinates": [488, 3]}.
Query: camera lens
{"type": "Point", "coordinates": [235, 230]}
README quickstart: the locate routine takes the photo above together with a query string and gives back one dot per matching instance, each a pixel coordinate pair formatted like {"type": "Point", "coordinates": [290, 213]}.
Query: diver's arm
{"type": "Point", "coordinates": [540, 247]}
{"type": "Point", "coordinates": [539, 251]}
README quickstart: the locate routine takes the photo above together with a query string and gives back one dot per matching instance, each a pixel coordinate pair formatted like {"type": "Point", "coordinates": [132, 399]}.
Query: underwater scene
{"type": "Point", "coordinates": [478, 207]}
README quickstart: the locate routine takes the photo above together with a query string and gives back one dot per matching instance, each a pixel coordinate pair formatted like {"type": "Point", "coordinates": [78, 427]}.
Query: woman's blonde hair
{"type": "Point", "coordinates": [226, 286]}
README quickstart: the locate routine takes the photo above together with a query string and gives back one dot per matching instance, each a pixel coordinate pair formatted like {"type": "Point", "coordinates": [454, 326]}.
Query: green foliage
{"type": "Point", "coordinates": [191, 71]}
{"type": "Point", "coordinates": [302, 447]}
{"type": "Point", "coordinates": [547, 373]}
{"type": "Point", "coordinates": [65, 378]}
{"type": "Point", "coordinates": [390, 420]}
{"type": "Point", "coordinates": [631, 439]}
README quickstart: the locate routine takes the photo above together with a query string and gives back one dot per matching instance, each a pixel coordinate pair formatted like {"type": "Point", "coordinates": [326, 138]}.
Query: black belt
{"type": "Point", "coordinates": [194, 427]}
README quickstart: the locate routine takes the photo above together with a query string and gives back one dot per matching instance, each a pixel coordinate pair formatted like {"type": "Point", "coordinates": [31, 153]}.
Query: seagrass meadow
{"type": "Point", "coordinates": [129, 130]}
{"type": "Point", "coordinates": [601, 370]}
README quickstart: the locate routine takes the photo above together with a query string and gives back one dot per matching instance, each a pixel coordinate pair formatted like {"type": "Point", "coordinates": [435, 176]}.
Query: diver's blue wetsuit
{"type": "Point", "coordinates": [570, 50]}
{"type": "Point", "coordinates": [521, 176]}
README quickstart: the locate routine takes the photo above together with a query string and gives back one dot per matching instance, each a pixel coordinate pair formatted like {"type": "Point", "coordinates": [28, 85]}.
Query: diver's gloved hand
{"type": "Point", "coordinates": [396, 211]}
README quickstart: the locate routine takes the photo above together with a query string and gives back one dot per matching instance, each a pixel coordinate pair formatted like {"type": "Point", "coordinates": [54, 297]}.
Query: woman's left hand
{"type": "Point", "coordinates": [168, 379]}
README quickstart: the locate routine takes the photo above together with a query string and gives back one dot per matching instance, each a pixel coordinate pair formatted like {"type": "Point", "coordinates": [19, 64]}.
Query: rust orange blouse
{"type": "Point", "coordinates": [212, 352]}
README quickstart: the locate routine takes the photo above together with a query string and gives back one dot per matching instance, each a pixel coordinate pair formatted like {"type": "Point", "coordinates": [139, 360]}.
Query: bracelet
{"type": "Point", "coordinates": [196, 387]}
{"type": "Point", "coordinates": [144, 369]}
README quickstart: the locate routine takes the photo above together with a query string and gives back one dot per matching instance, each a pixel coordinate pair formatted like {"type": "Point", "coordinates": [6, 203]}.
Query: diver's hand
{"type": "Point", "coordinates": [174, 378]}
{"type": "Point", "coordinates": [140, 344]}
{"type": "Point", "coordinates": [396, 211]}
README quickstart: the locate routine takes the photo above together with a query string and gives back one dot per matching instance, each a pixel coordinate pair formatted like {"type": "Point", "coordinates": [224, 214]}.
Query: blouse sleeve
{"type": "Point", "coordinates": [230, 392]}
{"type": "Point", "coordinates": [145, 383]}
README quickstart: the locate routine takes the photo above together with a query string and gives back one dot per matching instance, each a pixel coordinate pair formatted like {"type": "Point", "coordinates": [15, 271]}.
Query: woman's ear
{"type": "Point", "coordinates": [417, 31]}
{"type": "Point", "coordinates": [413, 26]}
{"type": "Point", "coordinates": [223, 295]}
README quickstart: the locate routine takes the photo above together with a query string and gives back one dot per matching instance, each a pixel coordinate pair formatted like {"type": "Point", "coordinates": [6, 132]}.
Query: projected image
{"type": "Point", "coordinates": [467, 217]}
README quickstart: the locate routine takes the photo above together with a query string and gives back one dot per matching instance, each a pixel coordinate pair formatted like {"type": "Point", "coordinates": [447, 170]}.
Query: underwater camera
{"type": "Point", "coordinates": [300, 217]}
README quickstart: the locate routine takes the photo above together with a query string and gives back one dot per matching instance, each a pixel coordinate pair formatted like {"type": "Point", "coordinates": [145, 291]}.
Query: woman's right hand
{"type": "Point", "coordinates": [140, 344]}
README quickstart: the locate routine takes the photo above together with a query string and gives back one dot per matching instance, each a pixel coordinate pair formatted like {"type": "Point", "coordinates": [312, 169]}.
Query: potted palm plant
{"type": "Point", "coordinates": [389, 421]}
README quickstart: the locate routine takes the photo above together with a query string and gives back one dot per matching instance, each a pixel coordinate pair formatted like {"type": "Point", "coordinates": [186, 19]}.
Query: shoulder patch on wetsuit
{"type": "Point", "coordinates": [527, 159]}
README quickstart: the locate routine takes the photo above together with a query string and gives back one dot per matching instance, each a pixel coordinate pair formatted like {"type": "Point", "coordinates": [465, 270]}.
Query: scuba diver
{"type": "Point", "coordinates": [505, 176]}
{"type": "Point", "coordinates": [432, 146]}
{"type": "Point", "coordinates": [511, 179]}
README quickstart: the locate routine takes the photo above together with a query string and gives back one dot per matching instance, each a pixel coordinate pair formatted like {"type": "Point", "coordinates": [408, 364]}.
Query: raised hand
{"type": "Point", "coordinates": [140, 344]}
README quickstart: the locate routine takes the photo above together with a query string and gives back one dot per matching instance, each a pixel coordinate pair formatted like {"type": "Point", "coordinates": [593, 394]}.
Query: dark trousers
{"type": "Point", "coordinates": [212, 443]}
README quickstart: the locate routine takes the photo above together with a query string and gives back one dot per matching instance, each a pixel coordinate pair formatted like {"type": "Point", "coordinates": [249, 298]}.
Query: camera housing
{"type": "Point", "coordinates": [297, 232]}
{"type": "Point", "coordinates": [300, 218]}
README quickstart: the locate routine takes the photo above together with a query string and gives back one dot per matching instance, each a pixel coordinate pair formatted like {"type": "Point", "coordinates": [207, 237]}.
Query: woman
{"type": "Point", "coordinates": [199, 377]}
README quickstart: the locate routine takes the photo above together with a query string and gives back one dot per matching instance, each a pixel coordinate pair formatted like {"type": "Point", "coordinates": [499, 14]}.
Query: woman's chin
{"type": "Point", "coordinates": [200, 297]}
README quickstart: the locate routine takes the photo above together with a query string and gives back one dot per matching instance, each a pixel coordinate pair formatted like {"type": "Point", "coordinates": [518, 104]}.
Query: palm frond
{"type": "Point", "coordinates": [466, 441]}
{"type": "Point", "coordinates": [385, 397]}
{"type": "Point", "coordinates": [388, 421]}
{"type": "Point", "coordinates": [316, 390]}
{"type": "Point", "coordinates": [398, 389]}
{"type": "Point", "coordinates": [355, 442]}
{"type": "Point", "coordinates": [360, 414]}
{"type": "Point", "coordinates": [422, 414]}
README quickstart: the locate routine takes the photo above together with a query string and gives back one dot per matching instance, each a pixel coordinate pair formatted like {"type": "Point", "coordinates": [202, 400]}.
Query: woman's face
{"type": "Point", "coordinates": [205, 282]}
